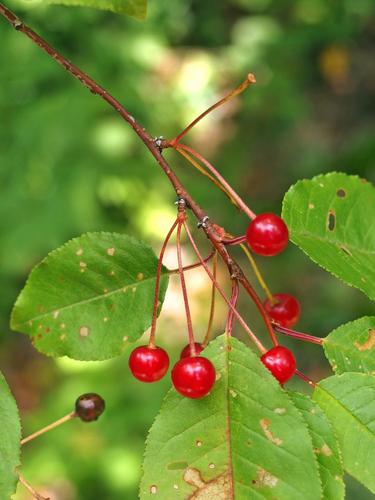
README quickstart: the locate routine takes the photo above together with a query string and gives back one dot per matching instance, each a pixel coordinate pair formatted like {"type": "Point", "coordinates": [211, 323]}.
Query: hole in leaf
{"type": "Point", "coordinates": [331, 220]}
{"type": "Point", "coordinates": [341, 193]}
{"type": "Point", "coordinates": [345, 250]}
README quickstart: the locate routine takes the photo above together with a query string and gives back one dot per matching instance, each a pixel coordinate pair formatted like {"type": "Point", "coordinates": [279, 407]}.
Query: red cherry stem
{"type": "Point", "coordinates": [49, 427]}
{"type": "Point", "coordinates": [30, 489]}
{"type": "Point", "coordinates": [213, 301]}
{"type": "Point", "coordinates": [184, 291]}
{"type": "Point", "coordinates": [235, 241]}
{"type": "Point", "coordinates": [249, 80]}
{"type": "Point", "coordinates": [195, 265]}
{"type": "Point", "coordinates": [151, 342]}
{"type": "Point", "coordinates": [298, 335]}
{"type": "Point", "coordinates": [305, 378]}
{"type": "Point", "coordinates": [241, 204]}
{"type": "Point", "coordinates": [233, 301]}
{"type": "Point", "coordinates": [252, 335]}
{"type": "Point", "coordinates": [203, 171]}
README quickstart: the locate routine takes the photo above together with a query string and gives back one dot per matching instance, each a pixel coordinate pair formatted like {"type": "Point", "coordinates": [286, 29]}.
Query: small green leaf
{"type": "Point", "coordinates": [90, 297]}
{"type": "Point", "coordinates": [244, 440]}
{"type": "Point", "coordinates": [349, 402]}
{"type": "Point", "coordinates": [332, 218]}
{"type": "Point", "coordinates": [351, 347]}
{"type": "Point", "coordinates": [134, 8]}
{"type": "Point", "coordinates": [325, 445]}
{"type": "Point", "coordinates": [10, 439]}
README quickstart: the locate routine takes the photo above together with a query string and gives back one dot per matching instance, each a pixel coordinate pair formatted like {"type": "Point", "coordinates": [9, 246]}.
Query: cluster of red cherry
{"type": "Point", "coordinates": [193, 375]}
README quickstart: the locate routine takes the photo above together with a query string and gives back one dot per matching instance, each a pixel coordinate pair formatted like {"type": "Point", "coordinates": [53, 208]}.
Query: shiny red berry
{"type": "Point", "coordinates": [280, 362]}
{"type": "Point", "coordinates": [148, 364]}
{"type": "Point", "coordinates": [267, 234]}
{"type": "Point", "coordinates": [185, 353]}
{"type": "Point", "coordinates": [193, 377]}
{"type": "Point", "coordinates": [286, 311]}
{"type": "Point", "coordinates": [89, 407]}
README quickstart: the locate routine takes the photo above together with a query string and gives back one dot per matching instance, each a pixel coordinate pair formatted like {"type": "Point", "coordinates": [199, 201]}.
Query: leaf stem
{"type": "Point", "coordinates": [298, 335]}
{"type": "Point", "coordinates": [252, 335]}
{"type": "Point", "coordinates": [258, 275]}
{"type": "Point", "coordinates": [151, 342]}
{"type": "Point", "coordinates": [249, 80]}
{"type": "Point", "coordinates": [305, 378]}
{"type": "Point", "coordinates": [184, 290]}
{"type": "Point", "coordinates": [30, 489]}
{"type": "Point", "coordinates": [233, 301]}
{"type": "Point", "coordinates": [212, 307]}
{"type": "Point", "coordinates": [49, 427]}
{"type": "Point", "coordinates": [238, 200]}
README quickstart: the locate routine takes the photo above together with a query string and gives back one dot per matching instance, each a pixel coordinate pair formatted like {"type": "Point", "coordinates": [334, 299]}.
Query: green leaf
{"type": "Point", "coordinates": [332, 219]}
{"type": "Point", "coordinates": [10, 438]}
{"type": "Point", "coordinates": [351, 347]}
{"type": "Point", "coordinates": [90, 297]}
{"type": "Point", "coordinates": [325, 446]}
{"type": "Point", "coordinates": [134, 8]}
{"type": "Point", "coordinates": [245, 440]}
{"type": "Point", "coordinates": [349, 402]}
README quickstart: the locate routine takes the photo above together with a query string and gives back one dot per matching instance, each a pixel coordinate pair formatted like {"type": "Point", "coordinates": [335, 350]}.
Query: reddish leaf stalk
{"type": "Point", "coordinates": [151, 342]}
{"type": "Point", "coordinates": [213, 301]}
{"type": "Point", "coordinates": [239, 201]}
{"type": "Point", "coordinates": [184, 290]}
{"type": "Point", "coordinates": [249, 80]}
{"type": "Point", "coordinates": [298, 335]}
{"type": "Point", "coordinates": [233, 301]}
{"type": "Point", "coordinates": [305, 378]}
{"type": "Point", "coordinates": [252, 335]}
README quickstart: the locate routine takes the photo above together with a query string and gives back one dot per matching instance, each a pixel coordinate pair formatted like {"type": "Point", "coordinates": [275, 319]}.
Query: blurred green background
{"type": "Point", "coordinates": [68, 165]}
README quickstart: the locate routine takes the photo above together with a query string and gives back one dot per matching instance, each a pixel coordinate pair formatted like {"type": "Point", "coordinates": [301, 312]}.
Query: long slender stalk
{"type": "Point", "coordinates": [258, 275]}
{"type": "Point", "coordinates": [305, 378]}
{"type": "Point", "coordinates": [249, 80]}
{"type": "Point", "coordinates": [212, 307]}
{"type": "Point", "coordinates": [49, 427]}
{"type": "Point", "coordinates": [252, 335]}
{"type": "Point", "coordinates": [298, 335]}
{"type": "Point", "coordinates": [30, 489]}
{"type": "Point", "coordinates": [233, 301]}
{"type": "Point", "coordinates": [195, 265]}
{"type": "Point", "coordinates": [239, 201]}
{"type": "Point", "coordinates": [184, 291]}
{"type": "Point", "coordinates": [196, 165]}
{"type": "Point", "coordinates": [151, 342]}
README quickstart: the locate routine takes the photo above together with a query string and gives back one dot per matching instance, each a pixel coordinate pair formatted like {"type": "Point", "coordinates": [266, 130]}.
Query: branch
{"type": "Point", "coordinates": [151, 144]}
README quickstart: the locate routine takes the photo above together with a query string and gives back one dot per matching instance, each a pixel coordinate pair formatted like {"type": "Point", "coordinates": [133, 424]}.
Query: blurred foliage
{"type": "Point", "coordinates": [68, 164]}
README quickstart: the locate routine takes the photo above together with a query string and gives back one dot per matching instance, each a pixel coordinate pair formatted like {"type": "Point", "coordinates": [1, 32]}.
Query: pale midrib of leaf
{"type": "Point", "coordinates": [88, 301]}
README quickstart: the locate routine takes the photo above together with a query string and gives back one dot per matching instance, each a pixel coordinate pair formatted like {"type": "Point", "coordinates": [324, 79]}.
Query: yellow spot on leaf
{"type": "Point", "coordinates": [153, 489]}
{"type": "Point", "coordinates": [264, 479]}
{"type": "Point", "coordinates": [84, 331]}
{"type": "Point", "coordinates": [140, 276]}
{"type": "Point", "coordinates": [79, 251]}
{"type": "Point", "coordinates": [111, 251]}
{"type": "Point", "coordinates": [219, 488]}
{"type": "Point", "coordinates": [56, 314]}
{"type": "Point", "coordinates": [265, 424]}
{"type": "Point", "coordinates": [280, 411]}
{"type": "Point", "coordinates": [370, 342]}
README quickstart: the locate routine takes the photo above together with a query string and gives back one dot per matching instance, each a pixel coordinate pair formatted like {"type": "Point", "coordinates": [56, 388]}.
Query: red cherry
{"type": "Point", "coordinates": [280, 362]}
{"type": "Point", "coordinates": [267, 234]}
{"type": "Point", "coordinates": [148, 364]}
{"type": "Point", "coordinates": [185, 353]}
{"type": "Point", "coordinates": [193, 377]}
{"type": "Point", "coordinates": [89, 407]}
{"type": "Point", "coordinates": [286, 311]}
